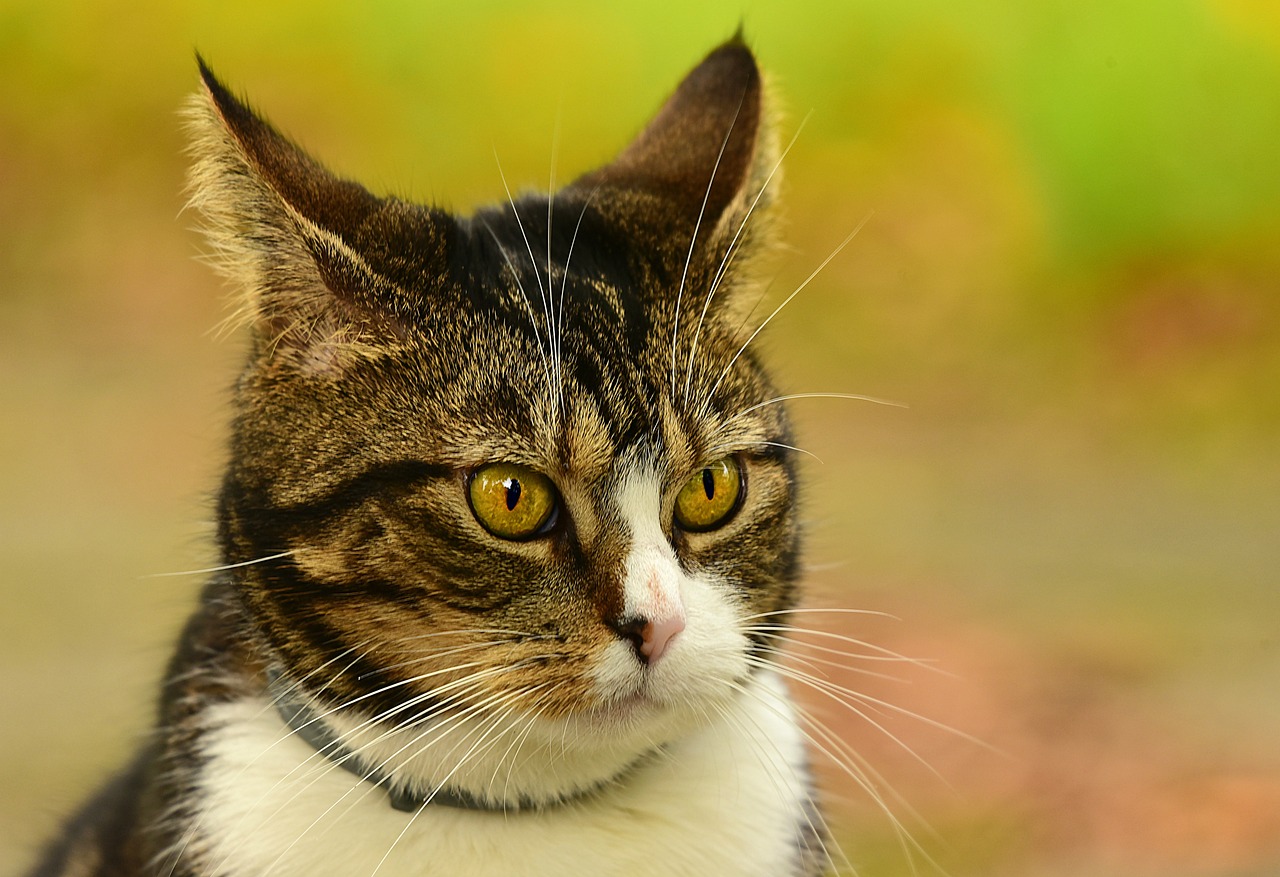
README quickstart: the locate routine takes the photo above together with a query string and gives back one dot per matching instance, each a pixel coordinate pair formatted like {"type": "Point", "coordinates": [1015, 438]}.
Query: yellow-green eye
{"type": "Point", "coordinates": [512, 501]}
{"type": "Point", "coordinates": [710, 497]}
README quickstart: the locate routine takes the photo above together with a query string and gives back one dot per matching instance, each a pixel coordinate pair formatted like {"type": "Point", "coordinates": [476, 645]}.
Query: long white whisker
{"type": "Point", "coordinates": [853, 765]}
{"type": "Point", "coordinates": [554, 316]}
{"type": "Point", "coordinates": [198, 823]}
{"type": "Point", "coordinates": [461, 631]}
{"type": "Point", "coordinates": [543, 291]}
{"type": "Point", "coordinates": [564, 280]}
{"type": "Point", "coordinates": [887, 654]}
{"type": "Point", "coordinates": [816, 664]}
{"type": "Point", "coordinates": [815, 610]}
{"type": "Point", "coordinates": [225, 566]}
{"type": "Point", "coordinates": [466, 756]}
{"type": "Point", "coordinates": [468, 682]}
{"type": "Point", "coordinates": [821, 831]}
{"type": "Point", "coordinates": [845, 696]}
{"type": "Point", "coordinates": [856, 397]}
{"type": "Point", "coordinates": [437, 654]}
{"type": "Point", "coordinates": [513, 751]}
{"type": "Point", "coordinates": [360, 783]}
{"type": "Point", "coordinates": [833, 748]}
{"type": "Point", "coordinates": [825, 262]}
{"type": "Point", "coordinates": [789, 448]}
{"type": "Point", "coordinates": [537, 337]}
{"type": "Point", "coordinates": [693, 241]}
{"type": "Point", "coordinates": [732, 251]}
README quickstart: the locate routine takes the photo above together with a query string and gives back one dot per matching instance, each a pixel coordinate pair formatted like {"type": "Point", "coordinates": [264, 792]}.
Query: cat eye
{"type": "Point", "coordinates": [512, 501]}
{"type": "Point", "coordinates": [710, 497]}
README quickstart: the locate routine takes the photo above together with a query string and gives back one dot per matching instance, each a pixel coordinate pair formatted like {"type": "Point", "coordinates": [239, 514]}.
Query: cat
{"type": "Point", "coordinates": [509, 529]}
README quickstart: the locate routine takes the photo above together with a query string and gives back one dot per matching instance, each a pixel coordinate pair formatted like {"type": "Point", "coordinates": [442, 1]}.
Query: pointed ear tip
{"type": "Point", "coordinates": [737, 44]}
{"type": "Point", "coordinates": [224, 103]}
{"type": "Point", "coordinates": [206, 72]}
{"type": "Point", "coordinates": [219, 93]}
{"type": "Point", "coordinates": [735, 53]}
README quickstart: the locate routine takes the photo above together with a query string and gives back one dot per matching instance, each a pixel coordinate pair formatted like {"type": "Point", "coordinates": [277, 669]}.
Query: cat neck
{"type": "Point", "coordinates": [470, 763]}
{"type": "Point", "coordinates": [402, 793]}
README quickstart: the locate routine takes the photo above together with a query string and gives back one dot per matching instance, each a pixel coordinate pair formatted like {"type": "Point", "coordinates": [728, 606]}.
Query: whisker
{"type": "Point", "coordinates": [815, 610]}
{"type": "Point", "coordinates": [843, 695]}
{"type": "Point", "coordinates": [466, 756]}
{"type": "Point", "coordinates": [555, 319]}
{"type": "Point", "coordinates": [462, 631]}
{"type": "Point", "coordinates": [789, 448]}
{"type": "Point", "coordinates": [199, 821]}
{"type": "Point", "coordinates": [825, 262]}
{"type": "Point", "coordinates": [513, 750]}
{"type": "Point", "coordinates": [816, 664]}
{"type": "Point", "coordinates": [225, 566]}
{"type": "Point", "coordinates": [855, 766]}
{"type": "Point", "coordinates": [533, 322]}
{"type": "Point", "coordinates": [852, 765]}
{"type": "Point", "coordinates": [856, 397]}
{"type": "Point", "coordinates": [361, 784]}
{"type": "Point", "coordinates": [336, 763]}
{"type": "Point", "coordinates": [822, 830]}
{"type": "Point", "coordinates": [732, 251]}
{"type": "Point", "coordinates": [882, 654]}
{"type": "Point", "coordinates": [544, 293]}
{"type": "Point", "coordinates": [564, 278]}
{"type": "Point", "coordinates": [693, 241]}
{"type": "Point", "coordinates": [436, 654]}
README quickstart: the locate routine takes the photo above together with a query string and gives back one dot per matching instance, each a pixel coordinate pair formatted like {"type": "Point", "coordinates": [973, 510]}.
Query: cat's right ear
{"type": "Point", "coordinates": [307, 251]}
{"type": "Point", "coordinates": [703, 170]}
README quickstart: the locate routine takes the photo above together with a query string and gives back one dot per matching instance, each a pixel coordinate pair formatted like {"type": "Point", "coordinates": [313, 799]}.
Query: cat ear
{"type": "Point", "coordinates": [703, 163]}
{"type": "Point", "coordinates": [313, 256]}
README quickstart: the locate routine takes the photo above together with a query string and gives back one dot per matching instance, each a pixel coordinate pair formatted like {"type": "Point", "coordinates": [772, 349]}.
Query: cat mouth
{"type": "Point", "coordinates": [639, 703]}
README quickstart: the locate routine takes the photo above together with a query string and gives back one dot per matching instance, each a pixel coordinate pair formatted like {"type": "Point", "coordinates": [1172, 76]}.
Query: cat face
{"type": "Point", "coordinates": [520, 463]}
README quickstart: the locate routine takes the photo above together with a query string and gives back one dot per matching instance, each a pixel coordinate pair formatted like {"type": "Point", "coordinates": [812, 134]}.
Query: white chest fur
{"type": "Point", "coordinates": [724, 801]}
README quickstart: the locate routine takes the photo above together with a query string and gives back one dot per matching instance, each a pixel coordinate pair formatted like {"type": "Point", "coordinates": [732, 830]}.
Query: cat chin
{"type": "Point", "coordinates": [521, 759]}
{"type": "Point", "coordinates": [507, 758]}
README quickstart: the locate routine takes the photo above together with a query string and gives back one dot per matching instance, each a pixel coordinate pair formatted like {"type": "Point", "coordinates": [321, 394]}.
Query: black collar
{"type": "Point", "coordinates": [311, 727]}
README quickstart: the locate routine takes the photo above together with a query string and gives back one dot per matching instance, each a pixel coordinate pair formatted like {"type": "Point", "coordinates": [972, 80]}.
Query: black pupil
{"type": "Point", "coordinates": [513, 492]}
{"type": "Point", "coordinates": [708, 484]}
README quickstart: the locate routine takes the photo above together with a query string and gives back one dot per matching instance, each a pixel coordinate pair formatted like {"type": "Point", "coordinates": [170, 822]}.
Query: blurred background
{"type": "Point", "coordinates": [1069, 274]}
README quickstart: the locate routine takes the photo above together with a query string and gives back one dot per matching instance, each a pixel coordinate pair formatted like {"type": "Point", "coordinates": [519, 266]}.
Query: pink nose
{"type": "Point", "coordinates": [650, 639]}
{"type": "Point", "coordinates": [656, 636]}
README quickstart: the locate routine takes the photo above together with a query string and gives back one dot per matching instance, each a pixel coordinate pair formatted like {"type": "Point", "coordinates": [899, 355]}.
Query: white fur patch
{"type": "Point", "coordinates": [722, 801]}
{"type": "Point", "coordinates": [652, 585]}
{"type": "Point", "coordinates": [703, 657]}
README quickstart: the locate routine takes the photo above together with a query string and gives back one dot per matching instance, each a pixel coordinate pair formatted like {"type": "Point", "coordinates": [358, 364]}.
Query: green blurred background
{"type": "Point", "coordinates": [1069, 275]}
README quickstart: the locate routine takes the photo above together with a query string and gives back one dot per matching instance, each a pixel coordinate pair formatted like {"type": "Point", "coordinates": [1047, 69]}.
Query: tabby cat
{"type": "Point", "coordinates": [508, 530]}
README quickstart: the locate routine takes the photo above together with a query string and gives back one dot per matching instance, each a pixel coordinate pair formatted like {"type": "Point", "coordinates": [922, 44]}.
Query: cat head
{"type": "Point", "coordinates": [519, 461]}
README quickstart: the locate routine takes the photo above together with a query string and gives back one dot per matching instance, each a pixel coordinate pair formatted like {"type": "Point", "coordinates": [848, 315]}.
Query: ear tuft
{"type": "Point", "coordinates": [336, 205]}
{"type": "Point", "coordinates": [289, 235]}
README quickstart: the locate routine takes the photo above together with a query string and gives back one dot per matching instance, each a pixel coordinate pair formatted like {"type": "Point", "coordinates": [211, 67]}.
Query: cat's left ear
{"type": "Point", "coordinates": [705, 165]}
{"type": "Point", "coordinates": [326, 271]}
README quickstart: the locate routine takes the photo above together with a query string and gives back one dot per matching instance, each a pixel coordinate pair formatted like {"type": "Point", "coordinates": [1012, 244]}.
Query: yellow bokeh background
{"type": "Point", "coordinates": [1069, 272]}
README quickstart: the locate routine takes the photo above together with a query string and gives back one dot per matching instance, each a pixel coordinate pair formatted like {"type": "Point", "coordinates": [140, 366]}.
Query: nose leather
{"type": "Point", "coordinates": [650, 639]}
{"type": "Point", "coordinates": [655, 636]}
